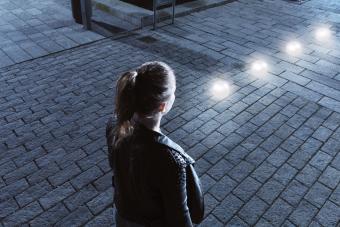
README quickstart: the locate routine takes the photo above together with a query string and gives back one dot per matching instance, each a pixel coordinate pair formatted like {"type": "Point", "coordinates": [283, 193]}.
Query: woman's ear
{"type": "Point", "coordinates": [162, 107]}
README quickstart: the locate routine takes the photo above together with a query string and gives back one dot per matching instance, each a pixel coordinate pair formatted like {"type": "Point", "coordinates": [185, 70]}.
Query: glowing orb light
{"type": "Point", "coordinates": [294, 48]}
{"type": "Point", "coordinates": [220, 89]}
{"type": "Point", "coordinates": [259, 67]}
{"type": "Point", "coordinates": [323, 34]}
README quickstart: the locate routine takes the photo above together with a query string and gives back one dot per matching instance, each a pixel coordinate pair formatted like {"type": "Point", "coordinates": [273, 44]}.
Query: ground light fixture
{"type": "Point", "coordinates": [220, 89]}
{"type": "Point", "coordinates": [294, 48]}
{"type": "Point", "coordinates": [259, 68]}
{"type": "Point", "coordinates": [323, 34]}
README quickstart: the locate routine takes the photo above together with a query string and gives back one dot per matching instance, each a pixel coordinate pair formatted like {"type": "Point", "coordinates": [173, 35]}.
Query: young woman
{"type": "Point", "coordinates": [155, 183]}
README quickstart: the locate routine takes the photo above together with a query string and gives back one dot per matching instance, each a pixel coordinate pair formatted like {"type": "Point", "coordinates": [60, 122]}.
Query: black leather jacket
{"type": "Point", "coordinates": [155, 183]}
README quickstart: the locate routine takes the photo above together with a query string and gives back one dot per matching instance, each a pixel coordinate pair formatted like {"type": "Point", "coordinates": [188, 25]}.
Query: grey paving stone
{"type": "Point", "coordinates": [246, 189]}
{"type": "Point", "coordinates": [336, 162]}
{"type": "Point", "coordinates": [23, 215]}
{"type": "Point", "coordinates": [331, 147]}
{"type": "Point", "coordinates": [86, 177]}
{"type": "Point", "coordinates": [253, 210]}
{"type": "Point", "coordinates": [80, 198]}
{"type": "Point", "coordinates": [264, 172]}
{"type": "Point", "coordinates": [236, 221]}
{"type": "Point", "coordinates": [100, 202]}
{"type": "Point", "coordinates": [215, 153]}
{"type": "Point", "coordinates": [237, 154]}
{"type": "Point", "coordinates": [228, 127]}
{"type": "Point", "coordinates": [197, 151]}
{"type": "Point", "coordinates": [33, 50]}
{"type": "Point", "coordinates": [220, 169]}
{"type": "Point", "coordinates": [222, 188]}
{"type": "Point", "coordinates": [308, 175]}
{"type": "Point", "coordinates": [7, 167]}
{"type": "Point", "coordinates": [227, 208]}
{"type": "Point", "coordinates": [241, 171]}
{"type": "Point", "coordinates": [271, 143]}
{"type": "Point", "coordinates": [263, 222]}
{"type": "Point", "coordinates": [76, 218]}
{"type": "Point", "coordinates": [330, 177]}
{"type": "Point", "coordinates": [304, 153]}
{"type": "Point", "coordinates": [270, 191]}
{"type": "Point", "coordinates": [55, 155]}
{"type": "Point", "coordinates": [174, 124]}
{"type": "Point", "coordinates": [330, 103]}
{"type": "Point", "coordinates": [57, 195]}
{"type": "Point", "coordinates": [302, 91]}
{"type": "Point", "coordinates": [202, 166]}
{"type": "Point", "coordinates": [329, 215]}
{"type": "Point", "coordinates": [225, 116]}
{"type": "Point", "coordinates": [231, 141]}
{"type": "Point", "coordinates": [303, 132]}
{"type": "Point", "coordinates": [194, 138]}
{"type": "Point", "coordinates": [50, 216]}
{"type": "Point", "coordinates": [206, 115]}
{"type": "Point", "coordinates": [285, 173]}
{"type": "Point", "coordinates": [32, 193]}
{"type": "Point", "coordinates": [209, 203]}
{"type": "Point", "coordinates": [291, 144]}
{"type": "Point", "coordinates": [252, 142]}
{"type": "Point", "coordinates": [211, 220]}
{"type": "Point", "coordinates": [7, 207]}
{"type": "Point", "coordinates": [332, 121]}
{"type": "Point", "coordinates": [278, 212]}
{"type": "Point", "coordinates": [294, 192]}
{"type": "Point", "coordinates": [318, 194]}
{"type": "Point", "coordinates": [335, 197]}
{"type": "Point", "coordinates": [207, 182]}
{"type": "Point", "coordinates": [43, 173]}
{"type": "Point", "coordinates": [284, 131]}
{"type": "Point", "coordinates": [29, 156]}
{"type": "Point", "coordinates": [213, 139]}
{"type": "Point", "coordinates": [295, 78]}
{"type": "Point", "coordinates": [16, 53]}
{"type": "Point", "coordinates": [12, 189]}
{"type": "Point", "coordinates": [257, 156]}
{"type": "Point", "coordinates": [91, 159]}
{"type": "Point", "coordinates": [104, 182]}
{"type": "Point", "coordinates": [106, 218]}
{"type": "Point", "coordinates": [303, 214]}
{"type": "Point", "coordinates": [246, 129]}
{"type": "Point", "coordinates": [278, 157]}
{"type": "Point", "coordinates": [20, 172]}
{"type": "Point", "coordinates": [64, 175]}
{"type": "Point", "coordinates": [320, 160]}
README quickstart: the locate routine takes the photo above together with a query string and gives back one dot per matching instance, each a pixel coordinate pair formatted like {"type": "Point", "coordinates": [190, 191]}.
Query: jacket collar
{"type": "Point", "coordinates": [165, 140]}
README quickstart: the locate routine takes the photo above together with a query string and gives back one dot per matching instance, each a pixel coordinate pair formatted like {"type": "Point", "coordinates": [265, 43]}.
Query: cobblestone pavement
{"type": "Point", "coordinates": [267, 155]}
{"type": "Point", "coordinates": [34, 28]}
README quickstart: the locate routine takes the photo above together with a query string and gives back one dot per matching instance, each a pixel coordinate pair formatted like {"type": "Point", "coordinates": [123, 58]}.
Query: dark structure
{"type": "Point", "coordinates": [147, 4]}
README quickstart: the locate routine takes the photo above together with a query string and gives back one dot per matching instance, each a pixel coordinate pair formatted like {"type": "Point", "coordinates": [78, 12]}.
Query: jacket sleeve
{"type": "Point", "coordinates": [195, 195]}
{"type": "Point", "coordinates": [173, 190]}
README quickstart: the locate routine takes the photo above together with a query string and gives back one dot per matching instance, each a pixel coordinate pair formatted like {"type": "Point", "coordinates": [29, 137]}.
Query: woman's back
{"type": "Point", "coordinates": [149, 180]}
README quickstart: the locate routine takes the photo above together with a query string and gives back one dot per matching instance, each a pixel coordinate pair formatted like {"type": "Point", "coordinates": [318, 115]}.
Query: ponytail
{"type": "Point", "coordinates": [140, 94]}
{"type": "Point", "coordinates": [125, 106]}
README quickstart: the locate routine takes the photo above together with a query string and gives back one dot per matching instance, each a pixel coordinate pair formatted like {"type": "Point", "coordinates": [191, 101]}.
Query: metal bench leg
{"type": "Point", "coordinates": [86, 12]}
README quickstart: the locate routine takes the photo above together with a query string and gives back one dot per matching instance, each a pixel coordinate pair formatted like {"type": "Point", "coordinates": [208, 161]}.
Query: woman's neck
{"type": "Point", "coordinates": [152, 123]}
